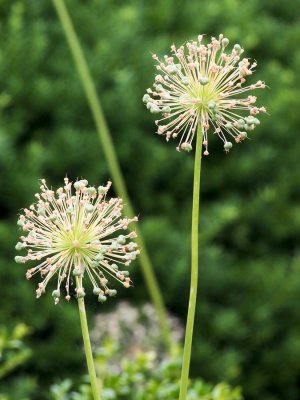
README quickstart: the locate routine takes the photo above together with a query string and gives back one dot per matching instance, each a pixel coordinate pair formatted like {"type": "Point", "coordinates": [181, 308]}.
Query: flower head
{"type": "Point", "coordinates": [77, 235]}
{"type": "Point", "coordinates": [201, 85]}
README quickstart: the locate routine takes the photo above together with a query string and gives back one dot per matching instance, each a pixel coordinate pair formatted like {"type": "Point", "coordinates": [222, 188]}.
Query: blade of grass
{"type": "Point", "coordinates": [112, 161]}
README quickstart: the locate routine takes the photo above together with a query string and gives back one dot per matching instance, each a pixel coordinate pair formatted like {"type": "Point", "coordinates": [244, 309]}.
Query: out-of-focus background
{"type": "Point", "coordinates": [248, 320]}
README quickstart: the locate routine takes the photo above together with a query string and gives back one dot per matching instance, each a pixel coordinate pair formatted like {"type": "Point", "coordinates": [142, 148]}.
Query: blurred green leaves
{"type": "Point", "coordinates": [247, 329]}
{"type": "Point", "coordinates": [143, 378]}
{"type": "Point", "coordinates": [13, 352]}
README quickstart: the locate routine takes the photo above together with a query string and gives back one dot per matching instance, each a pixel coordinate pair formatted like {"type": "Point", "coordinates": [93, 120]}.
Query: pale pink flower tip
{"type": "Point", "coordinates": [202, 85]}
{"type": "Point", "coordinates": [77, 232]}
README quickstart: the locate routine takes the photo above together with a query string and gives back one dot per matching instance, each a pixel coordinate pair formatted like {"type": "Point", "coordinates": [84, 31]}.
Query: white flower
{"type": "Point", "coordinates": [77, 234]}
{"type": "Point", "coordinates": [202, 85]}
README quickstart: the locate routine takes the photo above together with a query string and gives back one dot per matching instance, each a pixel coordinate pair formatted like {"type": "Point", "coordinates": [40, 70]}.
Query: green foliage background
{"type": "Point", "coordinates": [248, 322]}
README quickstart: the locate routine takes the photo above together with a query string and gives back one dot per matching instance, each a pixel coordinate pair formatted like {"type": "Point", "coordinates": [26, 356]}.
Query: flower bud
{"type": "Point", "coordinates": [20, 260]}
{"type": "Point", "coordinates": [101, 189]}
{"type": "Point", "coordinates": [104, 249]}
{"type": "Point", "coordinates": [20, 246]}
{"type": "Point", "coordinates": [250, 120]}
{"type": "Point", "coordinates": [237, 49]}
{"type": "Point", "coordinates": [99, 257]}
{"type": "Point", "coordinates": [149, 105]}
{"type": "Point", "coordinates": [89, 208]}
{"type": "Point", "coordinates": [97, 291]}
{"type": "Point", "coordinates": [91, 190]}
{"type": "Point", "coordinates": [20, 222]}
{"type": "Point", "coordinates": [94, 264]}
{"type": "Point", "coordinates": [154, 109]}
{"type": "Point", "coordinates": [79, 185]}
{"type": "Point", "coordinates": [204, 80]}
{"type": "Point", "coordinates": [166, 109]}
{"type": "Point", "coordinates": [248, 127]}
{"type": "Point", "coordinates": [146, 98]}
{"type": "Point", "coordinates": [127, 283]}
{"type": "Point", "coordinates": [159, 88]}
{"type": "Point", "coordinates": [240, 124]}
{"type": "Point", "coordinates": [212, 105]}
{"type": "Point", "coordinates": [77, 271]}
{"type": "Point", "coordinates": [225, 42]}
{"type": "Point", "coordinates": [114, 245]}
{"type": "Point", "coordinates": [172, 69]}
{"type": "Point", "coordinates": [121, 239]}
{"type": "Point", "coordinates": [56, 294]}
{"type": "Point", "coordinates": [102, 298]}
{"type": "Point", "coordinates": [227, 146]}
{"type": "Point", "coordinates": [41, 211]}
{"type": "Point", "coordinates": [70, 210]}
{"type": "Point", "coordinates": [52, 217]}
{"type": "Point", "coordinates": [186, 147]}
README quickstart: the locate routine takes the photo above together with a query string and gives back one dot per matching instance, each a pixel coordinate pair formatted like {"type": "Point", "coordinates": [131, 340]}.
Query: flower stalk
{"type": "Point", "coordinates": [199, 88]}
{"type": "Point", "coordinates": [112, 161]}
{"type": "Point", "coordinates": [194, 269]}
{"type": "Point", "coordinates": [87, 343]}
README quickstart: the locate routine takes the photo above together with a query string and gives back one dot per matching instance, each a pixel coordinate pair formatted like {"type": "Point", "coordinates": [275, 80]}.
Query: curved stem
{"type": "Point", "coordinates": [87, 343]}
{"type": "Point", "coordinates": [194, 270]}
{"type": "Point", "coordinates": [112, 161]}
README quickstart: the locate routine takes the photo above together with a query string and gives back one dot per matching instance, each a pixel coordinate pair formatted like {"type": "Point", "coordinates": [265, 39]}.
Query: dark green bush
{"type": "Point", "coordinates": [14, 353]}
{"type": "Point", "coordinates": [247, 328]}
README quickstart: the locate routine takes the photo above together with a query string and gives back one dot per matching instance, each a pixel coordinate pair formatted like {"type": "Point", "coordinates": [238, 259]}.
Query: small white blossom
{"type": "Point", "coordinates": [202, 85]}
{"type": "Point", "coordinates": [77, 234]}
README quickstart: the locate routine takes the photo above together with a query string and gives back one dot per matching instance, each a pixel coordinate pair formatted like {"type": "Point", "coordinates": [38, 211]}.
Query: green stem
{"type": "Point", "coordinates": [112, 161]}
{"type": "Point", "coordinates": [194, 270]}
{"type": "Point", "coordinates": [87, 343]}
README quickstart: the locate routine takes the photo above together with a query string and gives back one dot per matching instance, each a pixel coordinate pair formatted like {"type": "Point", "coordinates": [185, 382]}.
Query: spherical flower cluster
{"type": "Point", "coordinates": [74, 235]}
{"type": "Point", "coordinates": [201, 85]}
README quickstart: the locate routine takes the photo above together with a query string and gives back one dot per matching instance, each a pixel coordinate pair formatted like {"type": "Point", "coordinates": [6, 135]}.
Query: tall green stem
{"type": "Point", "coordinates": [112, 161]}
{"type": "Point", "coordinates": [87, 343]}
{"type": "Point", "coordinates": [194, 270]}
